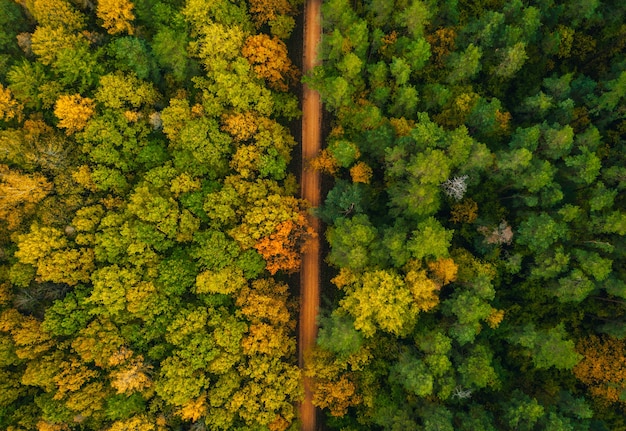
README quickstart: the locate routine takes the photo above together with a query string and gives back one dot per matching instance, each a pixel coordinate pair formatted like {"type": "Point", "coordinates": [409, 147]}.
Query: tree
{"type": "Point", "coordinates": [57, 14]}
{"type": "Point", "coordinates": [548, 347]}
{"type": "Point", "coordinates": [602, 367]}
{"type": "Point", "coordinates": [352, 241]}
{"type": "Point", "coordinates": [73, 112]}
{"type": "Point", "coordinates": [20, 194]}
{"type": "Point", "coordinates": [116, 15]}
{"type": "Point", "coordinates": [379, 300]}
{"type": "Point", "coordinates": [9, 107]}
{"type": "Point", "coordinates": [282, 249]}
{"type": "Point", "coordinates": [269, 60]}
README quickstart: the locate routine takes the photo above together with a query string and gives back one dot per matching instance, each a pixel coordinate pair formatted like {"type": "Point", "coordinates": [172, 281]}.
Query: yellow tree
{"type": "Point", "coordinates": [20, 194]}
{"type": "Point", "coordinates": [56, 14]}
{"type": "Point", "coordinates": [116, 15]}
{"type": "Point", "coordinates": [334, 385]}
{"type": "Point", "coordinates": [47, 249]}
{"type": "Point", "coordinates": [361, 173]}
{"type": "Point", "coordinates": [270, 60]}
{"type": "Point", "coordinates": [9, 107]}
{"type": "Point", "coordinates": [268, 10]}
{"type": "Point", "coordinates": [73, 112]}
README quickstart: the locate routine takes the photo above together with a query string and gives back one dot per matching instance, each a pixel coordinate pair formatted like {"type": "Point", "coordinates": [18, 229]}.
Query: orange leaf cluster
{"type": "Point", "coordinates": [388, 41]}
{"type": "Point", "coordinates": [270, 61]}
{"type": "Point", "coordinates": [402, 126]}
{"type": "Point", "coordinates": [503, 118]}
{"type": "Point", "coordinates": [443, 270]}
{"type": "Point", "coordinates": [441, 44]}
{"type": "Point", "coordinates": [603, 367]}
{"type": "Point", "coordinates": [324, 162]}
{"type": "Point", "coordinates": [282, 249]}
{"type": "Point", "coordinates": [361, 173]}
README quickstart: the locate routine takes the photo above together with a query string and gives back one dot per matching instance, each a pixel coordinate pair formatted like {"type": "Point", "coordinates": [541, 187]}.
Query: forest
{"type": "Point", "coordinates": [474, 215]}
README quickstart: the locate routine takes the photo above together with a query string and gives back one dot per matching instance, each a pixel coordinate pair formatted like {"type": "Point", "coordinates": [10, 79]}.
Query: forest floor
{"type": "Point", "coordinates": [311, 191]}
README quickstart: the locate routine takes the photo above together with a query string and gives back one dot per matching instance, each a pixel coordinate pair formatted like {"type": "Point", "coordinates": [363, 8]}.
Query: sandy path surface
{"type": "Point", "coordinates": [311, 187]}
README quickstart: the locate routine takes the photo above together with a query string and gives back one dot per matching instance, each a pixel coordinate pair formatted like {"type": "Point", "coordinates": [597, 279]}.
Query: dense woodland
{"type": "Point", "coordinates": [475, 220]}
{"type": "Point", "coordinates": [147, 218]}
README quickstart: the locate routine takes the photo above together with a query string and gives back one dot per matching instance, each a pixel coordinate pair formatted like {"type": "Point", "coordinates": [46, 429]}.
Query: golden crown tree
{"type": "Point", "coordinates": [73, 112]}
{"type": "Point", "coordinates": [116, 15]}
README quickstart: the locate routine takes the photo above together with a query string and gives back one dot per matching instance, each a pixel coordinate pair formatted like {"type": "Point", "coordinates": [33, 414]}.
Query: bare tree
{"type": "Point", "coordinates": [455, 187]}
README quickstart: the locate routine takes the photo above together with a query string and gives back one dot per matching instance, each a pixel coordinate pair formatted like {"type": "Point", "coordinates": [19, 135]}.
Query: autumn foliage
{"type": "Point", "coordinates": [283, 248]}
{"type": "Point", "coordinates": [603, 367]}
{"type": "Point", "coordinates": [19, 194]}
{"type": "Point", "coordinates": [267, 10]}
{"type": "Point", "coordinates": [73, 112]}
{"type": "Point", "coordinates": [116, 15]}
{"type": "Point", "coordinates": [269, 59]}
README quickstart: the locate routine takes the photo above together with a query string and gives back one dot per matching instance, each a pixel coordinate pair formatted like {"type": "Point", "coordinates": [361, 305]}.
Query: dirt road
{"type": "Point", "coordinates": [311, 143]}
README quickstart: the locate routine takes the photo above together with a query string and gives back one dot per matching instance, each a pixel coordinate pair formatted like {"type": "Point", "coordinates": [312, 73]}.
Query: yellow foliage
{"type": "Point", "coordinates": [20, 194]}
{"type": "Point", "coordinates": [116, 15]}
{"type": "Point", "coordinates": [120, 357]}
{"type": "Point", "coordinates": [324, 162]}
{"type": "Point", "coordinates": [267, 10]}
{"type": "Point", "coordinates": [194, 409]}
{"type": "Point", "coordinates": [132, 377]}
{"type": "Point", "coordinates": [425, 291]}
{"type": "Point", "coordinates": [98, 342]}
{"type": "Point", "coordinates": [495, 318]}
{"type": "Point", "coordinates": [87, 401]}
{"type": "Point", "coordinates": [82, 175]}
{"type": "Point", "coordinates": [361, 173]}
{"type": "Point", "coordinates": [132, 116]}
{"type": "Point", "coordinates": [9, 107]}
{"type": "Point", "coordinates": [344, 278]}
{"type": "Point", "coordinates": [225, 281]}
{"type": "Point", "coordinates": [72, 376]}
{"type": "Point", "coordinates": [333, 385]}
{"type": "Point", "coordinates": [184, 183]}
{"type": "Point", "coordinates": [279, 424]}
{"type": "Point", "coordinates": [465, 211]}
{"type": "Point", "coordinates": [241, 126]}
{"type": "Point", "coordinates": [402, 126]}
{"type": "Point", "coordinates": [74, 112]}
{"type": "Point", "coordinates": [50, 426]}
{"type": "Point", "coordinates": [245, 161]}
{"type": "Point", "coordinates": [267, 340]}
{"type": "Point", "coordinates": [5, 293]}
{"type": "Point", "coordinates": [39, 243]}
{"type": "Point", "coordinates": [136, 423]}
{"type": "Point", "coordinates": [503, 119]}
{"type": "Point", "coordinates": [444, 270]}
{"type": "Point", "coordinates": [57, 14]}
{"type": "Point", "coordinates": [48, 42]}
{"type": "Point", "coordinates": [30, 340]}
{"type": "Point", "coordinates": [120, 91]}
